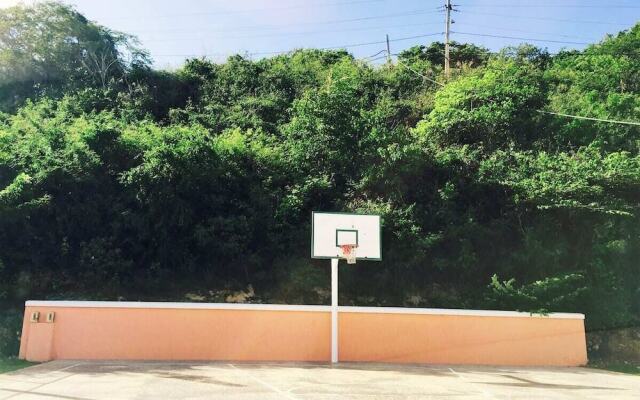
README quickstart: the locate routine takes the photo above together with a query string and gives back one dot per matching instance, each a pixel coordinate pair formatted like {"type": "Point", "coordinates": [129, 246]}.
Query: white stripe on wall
{"type": "Point", "coordinates": [176, 305]}
{"type": "Point", "coordinates": [287, 307]}
{"type": "Point", "coordinates": [452, 311]}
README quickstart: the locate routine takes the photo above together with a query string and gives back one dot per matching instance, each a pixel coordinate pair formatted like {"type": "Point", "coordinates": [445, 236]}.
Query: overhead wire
{"type": "Point", "coordinates": [376, 59]}
{"type": "Point", "coordinates": [392, 15]}
{"type": "Point", "coordinates": [548, 18]}
{"type": "Point", "coordinates": [312, 23]}
{"type": "Point", "coordinates": [378, 53]}
{"type": "Point", "coordinates": [590, 118]}
{"type": "Point", "coordinates": [418, 73]}
{"type": "Point", "coordinates": [230, 12]}
{"type": "Point", "coordinates": [384, 16]}
{"type": "Point", "coordinates": [548, 5]}
{"type": "Point", "coordinates": [351, 45]}
{"type": "Point", "coordinates": [527, 31]}
{"type": "Point", "coordinates": [519, 38]}
{"type": "Point", "coordinates": [633, 123]}
{"type": "Point", "coordinates": [285, 34]}
{"type": "Point", "coordinates": [357, 44]}
{"type": "Point", "coordinates": [376, 56]}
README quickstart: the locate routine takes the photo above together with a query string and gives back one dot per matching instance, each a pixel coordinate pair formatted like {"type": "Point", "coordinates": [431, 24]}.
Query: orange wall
{"type": "Point", "coordinates": [298, 333]}
{"type": "Point", "coordinates": [180, 334]}
{"type": "Point", "coordinates": [461, 339]}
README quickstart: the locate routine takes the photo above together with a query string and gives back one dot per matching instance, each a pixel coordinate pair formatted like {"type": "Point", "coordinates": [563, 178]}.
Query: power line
{"type": "Point", "coordinates": [580, 54]}
{"type": "Point", "coordinates": [548, 19]}
{"type": "Point", "coordinates": [199, 55]}
{"type": "Point", "coordinates": [253, 10]}
{"type": "Point", "coordinates": [376, 59]}
{"type": "Point", "coordinates": [402, 14]}
{"type": "Point", "coordinates": [378, 53]}
{"type": "Point", "coordinates": [571, 53]}
{"type": "Point", "coordinates": [356, 44]}
{"type": "Point", "coordinates": [326, 22]}
{"type": "Point", "coordinates": [418, 73]}
{"type": "Point", "coordinates": [318, 48]}
{"type": "Point", "coordinates": [352, 45]}
{"type": "Point", "coordinates": [520, 38]}
{"type": "Point", "coordinates": [527, 31]}
{"type": "Point", "coordinates": [567, 53]}
{"type": "Point", "coordinates": [590, 118]}
{"type": "Point", "coordinates": [540, 111]}
{"type": "Point", "coordinates": [506, 5]}
{"type": "Point", "coordinates": [286, 34]}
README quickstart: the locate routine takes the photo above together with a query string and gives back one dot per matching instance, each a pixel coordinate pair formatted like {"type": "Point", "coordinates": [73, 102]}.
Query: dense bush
{"type": "Point", "coordinates": [10, 327]}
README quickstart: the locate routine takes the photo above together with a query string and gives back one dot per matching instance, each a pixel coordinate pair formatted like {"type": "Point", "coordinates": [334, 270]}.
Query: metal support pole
{"type": "Point", "coordinates": [448, 8]}
{"type": "Point", "coordinates": [388, 51]}
{"type": "Point", "coordinates": [334, 310]}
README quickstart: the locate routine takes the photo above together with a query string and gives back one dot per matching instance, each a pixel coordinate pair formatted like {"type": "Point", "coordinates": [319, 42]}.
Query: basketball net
{"type": "Point", "coordinates": [349, 253]}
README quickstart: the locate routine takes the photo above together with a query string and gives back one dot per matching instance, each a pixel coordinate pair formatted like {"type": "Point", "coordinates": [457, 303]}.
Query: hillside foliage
{"type": "Point", "coordinates": [118, 181]}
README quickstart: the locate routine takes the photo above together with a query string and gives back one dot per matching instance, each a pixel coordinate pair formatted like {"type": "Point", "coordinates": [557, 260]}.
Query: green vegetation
{"type": "Point", "coordinates": [12, 364]}
{"type": "Point", "coordinates": [625, 368]}
{"type": "Point", "coordinates": [135, 184]}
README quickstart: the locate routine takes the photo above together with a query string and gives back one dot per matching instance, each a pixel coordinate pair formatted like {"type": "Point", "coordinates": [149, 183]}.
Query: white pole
{"type": "Point", "coordinates": [334, 310]}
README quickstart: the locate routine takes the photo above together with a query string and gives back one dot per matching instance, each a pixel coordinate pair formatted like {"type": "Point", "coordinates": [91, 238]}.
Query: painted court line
{"type": "Point", "coordinates": [30, 391]}
{"type": "Point", "coordinates": [265, 384]}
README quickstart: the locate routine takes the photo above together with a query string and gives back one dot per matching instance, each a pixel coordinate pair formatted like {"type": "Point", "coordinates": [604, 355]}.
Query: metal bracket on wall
{"type": "Point", "coordinates": [35, 316]}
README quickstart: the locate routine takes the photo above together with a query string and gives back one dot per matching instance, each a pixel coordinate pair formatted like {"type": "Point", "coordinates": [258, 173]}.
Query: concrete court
{"type": "Point", "coordinates": [83, 380]}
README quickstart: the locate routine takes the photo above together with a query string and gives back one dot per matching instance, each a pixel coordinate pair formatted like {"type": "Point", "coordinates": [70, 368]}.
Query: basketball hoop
{"type": "Point", "coordinates": [336, 235]}
{"type": "Point", "coordinates": [349, 252]}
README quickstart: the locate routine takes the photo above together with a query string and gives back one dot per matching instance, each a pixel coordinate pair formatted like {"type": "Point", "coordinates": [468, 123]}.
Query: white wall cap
{"type": "Point", "coordinates": [287, 307]}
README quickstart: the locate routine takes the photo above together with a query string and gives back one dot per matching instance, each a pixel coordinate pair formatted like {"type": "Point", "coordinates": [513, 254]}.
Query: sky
{"type": "Point", "coordinates": [175, 30]}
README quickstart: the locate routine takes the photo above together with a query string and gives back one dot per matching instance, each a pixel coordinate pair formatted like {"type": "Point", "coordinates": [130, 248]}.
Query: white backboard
{"type": "Point", "coordinates": [331, 229]}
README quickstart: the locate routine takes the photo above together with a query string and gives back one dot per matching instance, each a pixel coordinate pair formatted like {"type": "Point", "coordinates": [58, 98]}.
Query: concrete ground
{"type": "Point", "coordinates": [81, 380]}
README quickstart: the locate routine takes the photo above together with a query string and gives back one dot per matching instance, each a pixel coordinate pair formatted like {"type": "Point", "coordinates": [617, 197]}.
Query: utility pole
{"type": "Point", "coordinates": [448, 8]}
{"type": "Point", "coordinates": [388, 51]}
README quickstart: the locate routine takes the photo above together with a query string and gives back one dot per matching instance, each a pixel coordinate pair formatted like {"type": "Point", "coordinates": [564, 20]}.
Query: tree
{"type": "Point", "coordinates": [49, 48]}
{"type": "Point", "coordinates": [494, 107]}
{"type": "Point", "coordinates": [601, 82]}
{"type": "Point", "coordinates": [461, 54]}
